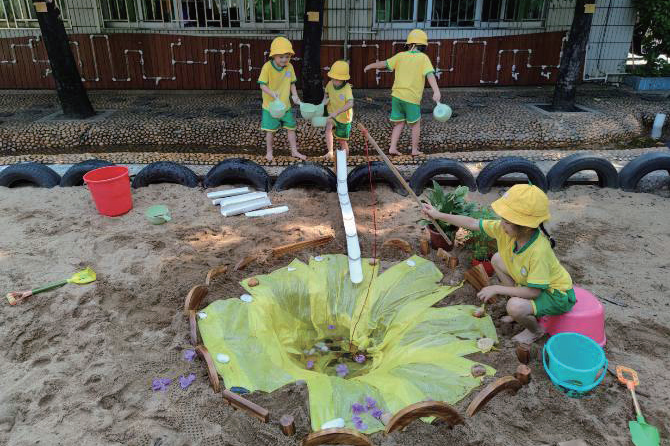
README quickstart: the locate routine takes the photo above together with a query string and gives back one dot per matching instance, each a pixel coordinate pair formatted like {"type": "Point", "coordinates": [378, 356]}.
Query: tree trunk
{"type": "Point", "coordinates": [312, 80]}
{"type": "Point", "coordinates": [574, 51]}
{"type": "Point", "coordinates": [69, 87]}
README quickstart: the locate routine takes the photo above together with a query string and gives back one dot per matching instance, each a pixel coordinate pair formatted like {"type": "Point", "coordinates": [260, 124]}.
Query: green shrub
{"type": "Point", "coordinates": [654, 24]}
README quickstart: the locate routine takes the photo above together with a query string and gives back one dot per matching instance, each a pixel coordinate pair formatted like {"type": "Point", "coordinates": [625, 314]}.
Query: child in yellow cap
{"type": "Point", "coordinates": [525, 262]}
{"type": "Point", "coordinates": [340, 100]}
{"type": "Point", "coordinates": [411, 68]}
{"type": "Point", "coordinates": [276, 80]}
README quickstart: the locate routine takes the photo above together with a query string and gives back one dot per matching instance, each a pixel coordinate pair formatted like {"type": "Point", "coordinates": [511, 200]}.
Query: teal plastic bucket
{"type": "Point", "coordinates": [308, 111]}
{"type": "Point", "coordinates": [575, 363]}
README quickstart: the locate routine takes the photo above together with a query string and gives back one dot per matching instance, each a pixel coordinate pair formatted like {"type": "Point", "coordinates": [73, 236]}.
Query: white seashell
{"type": "Point", "coordinates": [411, 262]}
{"type": "Point", "coordinates": [337, 422]}
{"type": "Point", "coordinates": [202, 315]}
{"type": "Point", "coordinates": [318, 258]}
{"type": "Point", "coordinates": [224, 359]}
{"type": "Point", "coordinates": [291, 268]}
{"type": "Point", "coordinates": [246, 298]}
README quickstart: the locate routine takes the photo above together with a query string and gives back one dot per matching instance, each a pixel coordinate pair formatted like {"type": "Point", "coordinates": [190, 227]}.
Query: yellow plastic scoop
{"type": "Point", "coordinates": [85, 276]}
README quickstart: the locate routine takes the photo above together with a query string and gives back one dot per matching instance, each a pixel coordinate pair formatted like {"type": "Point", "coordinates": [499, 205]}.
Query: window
{"type": "Point", "coordinates": [457, 13]}
{"type": "Point", "coordinates": [21, 14]}
{"type": "Point", "coordinates": [202, 13]}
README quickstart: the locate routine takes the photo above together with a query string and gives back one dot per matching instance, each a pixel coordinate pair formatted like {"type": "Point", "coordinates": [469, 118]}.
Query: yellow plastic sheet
{"type": "Point", "coordinates": [414, 352]}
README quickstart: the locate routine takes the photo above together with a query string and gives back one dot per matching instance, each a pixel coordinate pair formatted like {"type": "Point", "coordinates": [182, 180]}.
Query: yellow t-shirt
{"type": "Point", "coordinates": [338, 99]}
{"type": "Point", "coordinates": [411, 69]}
{"type": "Point", "coordinates": [278, 80]}
{"type": "Point", "coordinates": [534, 264]}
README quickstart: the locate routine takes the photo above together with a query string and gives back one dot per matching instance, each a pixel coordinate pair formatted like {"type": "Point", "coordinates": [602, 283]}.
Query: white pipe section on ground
{"type": "Point", "coordinates": [239, 198]}
{"type": "Point", "coordinates": [353, 247]}
{"type": "Point", "coordinates": [241, 208]}
{"type": "Point", "coordinates": [228, 192]}
{"type": "Point", "coordinates": [657, 128]}
{"type": "Point", "coordinates": [264, 212]}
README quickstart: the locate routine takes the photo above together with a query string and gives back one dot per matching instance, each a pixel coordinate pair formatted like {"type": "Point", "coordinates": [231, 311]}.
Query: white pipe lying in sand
{"type": "Point", "coordinates": [353, 247]}
{"type": "Point", "coordinates": [241, 208]}
{"type": "Point", "coordinates": [264, 212]}
{"type": "Point", "coordinates": [228, 192]}
{"type": "Point", "coordinates": [239, 198]}
{"type": "Point", "coordinates": [657, 129]}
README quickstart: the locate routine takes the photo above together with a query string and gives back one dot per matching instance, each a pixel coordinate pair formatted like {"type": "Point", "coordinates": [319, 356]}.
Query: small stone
{"type": "Point", "coordinates": [252, 282]}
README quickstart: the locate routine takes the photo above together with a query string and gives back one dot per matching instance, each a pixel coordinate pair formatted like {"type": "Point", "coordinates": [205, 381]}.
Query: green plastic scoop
{"type": "Point", "coordinates": [641, 433]}
{"type": "Point", "coordinates": [158, 214]}
{"type": "Point", "coordinates": [85, 276]}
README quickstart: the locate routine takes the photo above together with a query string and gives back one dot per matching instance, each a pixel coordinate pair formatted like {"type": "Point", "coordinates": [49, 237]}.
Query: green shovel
{"type": "Point", "coordinates": [641, 433]}
{"type": "Point", "coordinates": [85, 276]}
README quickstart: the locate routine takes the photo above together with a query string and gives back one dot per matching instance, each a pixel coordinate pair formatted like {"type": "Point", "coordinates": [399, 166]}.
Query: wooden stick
{"type": "Point", "coordinates": [402, 181]}
{"type": "Point", "coordinates": [248, 260]}
{"type": "Point", "coordinates": [293, 247]}
{"type": "Point", "coordinates": [244, 404]}
{"type": "Point", "coordinates": [215, 272]}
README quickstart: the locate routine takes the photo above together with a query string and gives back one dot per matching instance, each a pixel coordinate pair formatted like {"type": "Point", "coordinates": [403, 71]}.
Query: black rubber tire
{"type": "Point", "coordinates": [440, 166]}
{"type": "Point", "coordinates": [509, 164]}
{"type": "Point", "coordinates": [238, 170]}
{"type": "Point", "coordinates": [35, 173]}
{"type": "Point", "coordinates": [74, 176]}
{"type": "Point", "coordinates": [560, 172]}
{"type": "Point", "coordinates": [306, 174]}
{"type": "Point", "coordinates": [165, 172]}
{"type": "Point", "coordinates": [632, 173]}
{"type": "Point", "coordinates": [359, 178]}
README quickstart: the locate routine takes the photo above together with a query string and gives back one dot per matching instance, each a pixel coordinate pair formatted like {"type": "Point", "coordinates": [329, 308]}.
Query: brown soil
{"type": "Point", "coordinates": [77, 363]}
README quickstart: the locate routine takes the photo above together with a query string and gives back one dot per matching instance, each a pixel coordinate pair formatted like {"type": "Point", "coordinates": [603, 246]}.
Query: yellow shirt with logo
{"type": "Point", "coordinates": [279, 80]}
{"type": "Point", "coordinates": [338, 99]}
{"type": "Point", "coordinates": [411, 69]}
{"type": "Point", "coordinates": [534, 264]}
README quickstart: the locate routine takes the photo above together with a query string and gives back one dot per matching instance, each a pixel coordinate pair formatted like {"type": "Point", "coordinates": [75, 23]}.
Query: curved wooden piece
{"type": "Point", "coordinates": [248, 260]}
{"type": "Point", "coordinates": [214, 272]}
{"type": "Point", "coordinates": [193, 327]}
{"type": "Point", "coordinates": [336, 436]}
{"type": "Point", "coordinates": [398, 243]}
{"type": "Point", "coordinates": [483, 397]}
{"type": "Point", "coordinates": [422, 409]}
{"type": "Point", "coordinates": [194, 298]}
{"type": "Point", "coordinates": [202, 351]}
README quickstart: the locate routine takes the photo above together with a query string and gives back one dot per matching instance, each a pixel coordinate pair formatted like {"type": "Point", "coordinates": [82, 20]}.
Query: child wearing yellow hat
{"type": "Point", "coordinates": [276, 80]}
{"type": "Point", "coordinates": [340, 100]}
{"type": "Point", "coordinates": [525, 263]}
{"type": "Point", "coordinates": [412, 68]}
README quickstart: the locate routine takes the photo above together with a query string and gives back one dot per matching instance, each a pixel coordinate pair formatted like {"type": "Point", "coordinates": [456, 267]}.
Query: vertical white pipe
{"type": "Point", "coordinates": [348, 220]}
{"type": "Point", "coordinates": [657, 129]}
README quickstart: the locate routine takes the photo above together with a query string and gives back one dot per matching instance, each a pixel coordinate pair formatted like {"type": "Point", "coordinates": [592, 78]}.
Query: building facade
{"type": "Point", "coordinates": [222, 44]}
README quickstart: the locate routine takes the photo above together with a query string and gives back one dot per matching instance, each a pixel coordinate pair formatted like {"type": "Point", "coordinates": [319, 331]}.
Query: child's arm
{"type": "Point", "coordinates": [326, 98]}
{"type": "Point", "coordinates": [294, 94]}
{"type": "Point", "coordinates": [347, 106]}
{"type": "Point", "coordinates": [378, 65]}
{"type": "Point", "coordinates": [456, 220]}
{"type": "Point", "coordinates": [267, 90]}
{"type": "Point", "coordinates": [524, 292]}
{"type": "Point", "coordinates": [436, 90]}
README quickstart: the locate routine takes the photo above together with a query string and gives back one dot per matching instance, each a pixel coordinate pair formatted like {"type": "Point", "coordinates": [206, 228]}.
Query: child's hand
{"type": "Point", "coordinates": [332, 115]}
{"type": "Point", "coordinates": [437, 96]}
{"type": "Point", "coordinates": [367, 68]}
{"type": "Point", "coordinates": [487, 293]}
{"type": "Point", "coordinates": [430, 211]}
{"type": "Point", "coordinates": [326, 100]}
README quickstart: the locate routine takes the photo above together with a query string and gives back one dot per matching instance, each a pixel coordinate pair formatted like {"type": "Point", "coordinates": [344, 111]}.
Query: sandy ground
{"type": "Point", "coordinates": [77, 363]}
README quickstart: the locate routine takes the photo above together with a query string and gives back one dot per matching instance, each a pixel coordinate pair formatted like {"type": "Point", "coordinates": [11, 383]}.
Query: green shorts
{"type": "Point", "coordinates": [552, 303]}
{"type": "Point", "coordinates": [404, 111]}
{"type": "Point", "coordinates": [342, 131]}
{"type": "Point", "coordinates": [270, 124]}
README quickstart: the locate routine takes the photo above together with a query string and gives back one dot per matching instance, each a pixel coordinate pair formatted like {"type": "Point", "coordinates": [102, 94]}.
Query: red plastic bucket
{"type": "Point", "coordinates": [110, 189]}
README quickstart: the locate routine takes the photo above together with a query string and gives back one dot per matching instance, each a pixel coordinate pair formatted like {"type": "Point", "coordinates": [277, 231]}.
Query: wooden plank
{"type": "Point", "coordinates": [299, 246]}
{"type": "Point", "coordinates": [415, 411]}
{"type": "Point", "coordinates": [244, 404]}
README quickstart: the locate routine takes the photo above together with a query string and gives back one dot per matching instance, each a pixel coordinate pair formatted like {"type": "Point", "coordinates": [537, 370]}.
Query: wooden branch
{"type": "Point", "coordinates": [402, 181]}
{"type": "Point", "coordinates": [214, 272]}
{"type": "Point", "coordinates": [202, 351]}
{"type": "Point", "coordinates": [299, 246]}
{"type": "Point", "coordinates": [415, 411]}
{"type": "Point", "coordinates": [194, 298]}
{"type": "Point", "coordinates": [398, 243]}
{"type": "Point", "coordinates": [244, 404]}
{"type": "Point", "coordinates": [523, 374]}
{"type": "Point", "coordinates": [193, 327]}
{"type": "Point", "coordinates": [483, 397]}
{"type": "Point", "coordinates": [336, 436]}
{"type": "Point", "coordinates": [248, 260]}
{"type": "Point", "coordinates": [287, 424]}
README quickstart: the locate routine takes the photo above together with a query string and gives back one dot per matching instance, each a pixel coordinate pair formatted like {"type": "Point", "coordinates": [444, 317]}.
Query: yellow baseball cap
{"type": "Point", "coordinates": [523, 205]}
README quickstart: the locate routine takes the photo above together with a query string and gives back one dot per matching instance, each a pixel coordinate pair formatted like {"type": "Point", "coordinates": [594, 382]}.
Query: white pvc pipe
{"type": "Point", "coordinates": [228, 192]}
{"type": "Point", "coordinates": [348, 220]}
{"type": "Point", "coordinates": [239, 198]}
{"type": "Point", "coordinates": [241, 208]}
{"type": "Point", "coordinates": [657, 128]}
{"type": "Point", "coordinates": [270, 211]}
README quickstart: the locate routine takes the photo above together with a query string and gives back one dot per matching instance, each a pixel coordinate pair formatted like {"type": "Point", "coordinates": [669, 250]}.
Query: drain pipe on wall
{"type": "Point", "coordinates": [348, 220]}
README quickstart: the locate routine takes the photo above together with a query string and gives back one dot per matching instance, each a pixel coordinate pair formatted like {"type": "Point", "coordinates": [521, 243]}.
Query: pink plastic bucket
{"type": "Point", "coordinates": [110, 189]}
{"type": "Point", "coordinates": [587, 317]}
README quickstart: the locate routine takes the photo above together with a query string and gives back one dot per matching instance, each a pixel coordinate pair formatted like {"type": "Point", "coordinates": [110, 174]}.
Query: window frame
{"type": "Point", "coordinates": [32, 23]}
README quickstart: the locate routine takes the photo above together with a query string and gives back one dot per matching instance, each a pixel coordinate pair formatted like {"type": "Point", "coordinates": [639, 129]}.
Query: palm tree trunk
{"type": "Point", "coordinates": [312, 80]}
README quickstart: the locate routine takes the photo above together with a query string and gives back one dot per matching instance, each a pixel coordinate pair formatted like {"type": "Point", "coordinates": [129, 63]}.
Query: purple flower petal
{"type": "Point", "coordinates": [331, 327]}
{"type": "Point", "coordinates": [359, 359]}
{"type": "Point", "coordinates": [342, 370]}
{"type": "Point", "coordinates": [185, 381]}
{"type": "Point", "coordinates": [356, 419]}
{"type": "Point", "coordinates": [357, 408]}
{"type": "Point", "coordinates": [377, 413]}
{"type": "Point", "coordinates": [189, 355]}
{"type": "Point", "coordinates": [370, 402]}
{"type": "Point", "coordinates": [361, 426]}
{"type": "Point", "coordinates": [310, 365]}
{"type": "Point", "coordinates": [160, 384]}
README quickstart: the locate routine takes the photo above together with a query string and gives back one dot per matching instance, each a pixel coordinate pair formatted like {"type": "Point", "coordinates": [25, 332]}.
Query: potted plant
{"type": "Point", "coordinates": [481, 245]}
{"type": "Point", "coordinates": [448, 203]}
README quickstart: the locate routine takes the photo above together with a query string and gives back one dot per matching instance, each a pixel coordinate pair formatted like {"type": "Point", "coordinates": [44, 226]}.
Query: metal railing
{"type": "Point", "coordinates": [20, 14]}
